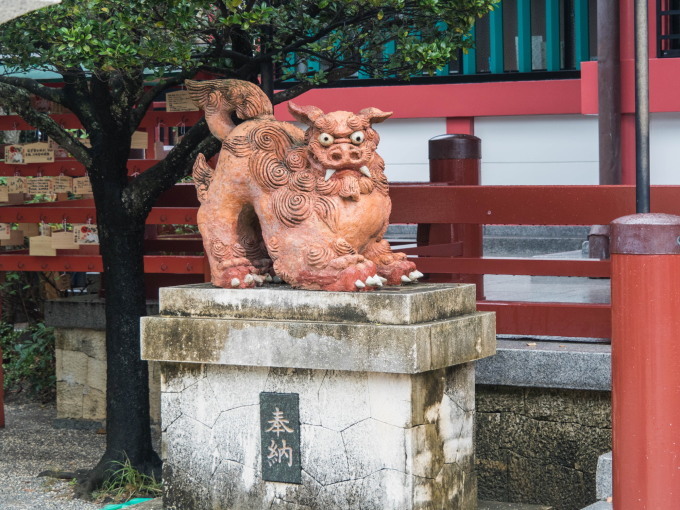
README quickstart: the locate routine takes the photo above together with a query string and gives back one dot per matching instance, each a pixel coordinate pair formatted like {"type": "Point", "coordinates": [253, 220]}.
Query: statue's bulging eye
{"type": "Point", "coordinates": [357, 137]}
{"type": "Point", "coordinates": [325, 139]}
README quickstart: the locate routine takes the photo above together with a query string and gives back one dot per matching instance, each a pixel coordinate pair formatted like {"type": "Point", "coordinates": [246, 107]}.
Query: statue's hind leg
{"type": "Point", "coordinates": [233, 243]}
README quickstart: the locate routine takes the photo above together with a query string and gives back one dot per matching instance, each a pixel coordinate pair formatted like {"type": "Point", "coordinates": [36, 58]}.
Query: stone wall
{"type": "Point", "coordinates": [81, 380]}
{"type": "Point", "coordinates": [541, 445]}
{"type": "Point", "coordinates": [80, 354]}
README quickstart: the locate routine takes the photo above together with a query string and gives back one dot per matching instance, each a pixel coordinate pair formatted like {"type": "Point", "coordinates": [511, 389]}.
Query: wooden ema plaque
{"type": "Point", "coordinates": [5, 231]}
{"type": "Point", "coordinates": [29, 229]}
{"type": "Point", "coordinates": [82, 186]}
{"type": "Point", "coordinates": [4, 193]}
{"type": "Point", "coordinates": [63, 241]}
{"type": "Point", "coordinates": [85, 233]}
{"type": "Point", "coordinates": [179, 101]}
{"type": "Point", "coordinates": [16, 184]}
{"type": "Point", "coordinates": [39, 152]}
{"type": "Point", "coordinates": [140, 140]}
{"type": "Point", "coordinates": [63, 184]}
{"type": "Point", "coordinates": [40, 186]}
{"type": "Point", "coordinates": [41, 246]}
{"type": "Point", "coordinates": [16, 238]}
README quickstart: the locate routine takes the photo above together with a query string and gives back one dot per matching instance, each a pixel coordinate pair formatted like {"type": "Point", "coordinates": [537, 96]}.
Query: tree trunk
{"type": "Point", "coordinates": [121, 237]}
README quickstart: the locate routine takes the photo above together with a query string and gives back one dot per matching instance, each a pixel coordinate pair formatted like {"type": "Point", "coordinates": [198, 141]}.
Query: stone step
{"type": "Point", "coordinates": [497, 505]}
{"type": "Point", "coordinates": [600, 505]}
{"type": "Point", "coordinates": [603, 478]}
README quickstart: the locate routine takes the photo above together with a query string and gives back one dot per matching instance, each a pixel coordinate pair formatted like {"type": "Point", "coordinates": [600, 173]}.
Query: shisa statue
{"type": "Point", "coordinates": [310, 208]}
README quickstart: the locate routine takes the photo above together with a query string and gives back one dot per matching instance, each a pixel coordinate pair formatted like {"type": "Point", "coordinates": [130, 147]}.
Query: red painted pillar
{"type": "Point", "coordinates": [456, 159]}
{"type": "Point", "coordinates": [645, 252]}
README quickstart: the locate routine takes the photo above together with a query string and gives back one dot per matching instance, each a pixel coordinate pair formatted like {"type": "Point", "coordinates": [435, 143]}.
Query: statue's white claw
{"type": "Point", "coordinates": [259, 279]}
{"type": "Point", "coordinates": [235, 282]}
{"type": "Point", "coordinates": [277, 279]}
{"type": "Point", "coordinates": [382, 280]}
{"type": "Point", "coordinates": [249, 278]}
{"type": "Point", "coordinates": [268, 278]}
{"type": "Point", "coordinates": [414, 275]}
{"type": "Point", "coordinates": [360, 284]}
{"type": "Point", "coordinates": [370, 281]}
{"type": "Point", "coordinates": [329, 174]}
{"type": "Point", "coordinates": [364, 170]}
{"type": "Point", "coordinates": [377, 280]}
{"type": "Point", "coordinates": [405, 279]}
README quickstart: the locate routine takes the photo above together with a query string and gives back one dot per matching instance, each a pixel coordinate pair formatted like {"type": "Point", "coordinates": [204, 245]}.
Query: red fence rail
{"type": "Point", "coordinates": [415, 204]}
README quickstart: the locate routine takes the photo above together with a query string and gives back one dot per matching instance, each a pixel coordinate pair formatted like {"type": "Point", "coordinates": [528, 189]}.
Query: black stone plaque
{"type": "Point", "coordinates": [280, 437]}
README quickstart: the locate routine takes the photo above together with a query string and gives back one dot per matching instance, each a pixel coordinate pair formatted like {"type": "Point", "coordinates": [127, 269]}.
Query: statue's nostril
{"type": "Point", "coordinates": [336, 156]}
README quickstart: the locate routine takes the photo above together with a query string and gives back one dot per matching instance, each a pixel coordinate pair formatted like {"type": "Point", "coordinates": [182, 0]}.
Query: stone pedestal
{"type": "Point", "coordinates": [384, 381]}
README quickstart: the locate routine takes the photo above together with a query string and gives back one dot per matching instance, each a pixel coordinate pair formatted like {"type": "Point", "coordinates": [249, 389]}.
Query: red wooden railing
{"type": "Point", "coordinates": [412, 203]}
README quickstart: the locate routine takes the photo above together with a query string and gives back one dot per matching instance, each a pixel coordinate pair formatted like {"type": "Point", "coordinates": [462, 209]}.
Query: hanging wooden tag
{"type": "Point", "coordinates": [59, 151]}
{"type": "Point", "coordinates": [63, 241]}
{"type": "Point", "coordinates": [29, 229]}
{"type": "Point", "coordinates": [63, 184]}
{"type": "Point", "coordinates": [38, 152]}
{"type": "Point", "coordinates": [140, 140]}
{"type": "Point", "coordinates": [82, 186]}
{"type": "Point", "coordinates": [40, 186]}
{"type": "Point", "coordinates": [16, 184]}
{"type": "Point", "coordinates": [14, 155]}
{"type": "Point", "coordinates": [5, 231]}
{"type": "Point", "coordinates": [4, 193]}
{"type": "Point", "coordinates": [41, 246]}
{"type": "Point", "coordinates": [179, 101]}
{"type": "Point", "coordinates": [16, 238]}
{"type": "Point", "coordinates": [85, 233]}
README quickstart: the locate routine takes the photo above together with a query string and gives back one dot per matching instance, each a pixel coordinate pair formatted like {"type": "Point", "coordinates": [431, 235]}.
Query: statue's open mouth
{"type": "Point", "coordinates": [363, 170]}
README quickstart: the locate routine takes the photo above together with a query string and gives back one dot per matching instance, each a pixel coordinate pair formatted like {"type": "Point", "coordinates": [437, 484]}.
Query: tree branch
{"type": "Point", "coordinates": [148, 96]}
{"type": "Point", "coordinates": [21, 102]}
{"type": "Point", "coordinates": [140, 195]}
{"type": "Point", "coordinates": [302, 87]}
{"type": "Point", "coordinates": [34, 87]}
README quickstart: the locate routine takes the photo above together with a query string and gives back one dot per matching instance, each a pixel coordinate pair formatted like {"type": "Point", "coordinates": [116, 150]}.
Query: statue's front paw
{"type": "Point", "coordinates": [238, 277]}
{"type": "Point", "coordinates": [399, 271]}
{"type": "Point", "coordinates": [357, 277]}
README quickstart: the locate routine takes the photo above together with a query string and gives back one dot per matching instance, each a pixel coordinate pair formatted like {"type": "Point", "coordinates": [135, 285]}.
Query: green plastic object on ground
{"type": "Point", "coordinates": [126, 504]}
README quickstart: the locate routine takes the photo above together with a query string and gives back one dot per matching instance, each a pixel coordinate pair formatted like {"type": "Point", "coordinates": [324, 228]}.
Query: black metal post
{"type": "Point", "coordinates": [641, 108]}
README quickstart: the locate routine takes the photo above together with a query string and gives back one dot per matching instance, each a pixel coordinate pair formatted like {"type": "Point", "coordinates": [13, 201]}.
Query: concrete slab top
{"type": "Point", "coordinates": [412, 304]}
{"type": "Point", "coordinates": [366, 347]}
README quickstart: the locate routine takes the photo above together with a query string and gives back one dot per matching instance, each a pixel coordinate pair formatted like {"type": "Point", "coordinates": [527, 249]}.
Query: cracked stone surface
{"type": "Point", "coordinates": [385, 382]}
{"type": "Point", "coordinates": [368, 440]}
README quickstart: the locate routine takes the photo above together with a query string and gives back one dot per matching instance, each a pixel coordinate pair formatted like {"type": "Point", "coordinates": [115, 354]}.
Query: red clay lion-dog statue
{"type": "Point", "coordinates": [310, 208]}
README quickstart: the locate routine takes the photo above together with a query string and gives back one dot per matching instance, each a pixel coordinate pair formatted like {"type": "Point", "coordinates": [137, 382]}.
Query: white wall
{"type": "Point", "coordinates": [403, 146]}
{"type": "Point", "coordinates": [539, 149]}
{"type": "Point", "coordinates": [664, 148]}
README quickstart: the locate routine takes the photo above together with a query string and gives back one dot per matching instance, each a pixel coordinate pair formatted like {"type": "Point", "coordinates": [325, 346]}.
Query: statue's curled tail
{"type": "Point", "coordinates": [220, 98]}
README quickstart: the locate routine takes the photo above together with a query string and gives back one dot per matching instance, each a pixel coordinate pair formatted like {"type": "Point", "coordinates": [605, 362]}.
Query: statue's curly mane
{"type": "Point", "coordinates": [279, 163]}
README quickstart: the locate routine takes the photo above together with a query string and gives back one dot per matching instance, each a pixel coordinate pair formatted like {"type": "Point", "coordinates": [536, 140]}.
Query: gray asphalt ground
{"type": "Point", "coordinates": [28, 446]}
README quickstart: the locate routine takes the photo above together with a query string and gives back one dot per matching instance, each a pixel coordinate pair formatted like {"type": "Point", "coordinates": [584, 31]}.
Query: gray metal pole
{"type": "Point", "coordinates": [641, 108]}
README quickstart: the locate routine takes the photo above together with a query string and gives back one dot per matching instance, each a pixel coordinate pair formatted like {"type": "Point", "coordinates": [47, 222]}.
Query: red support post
{"type": "Point", "coordinates": [645, 254]}
{"type": "Point", "coordinates": [455, 159]}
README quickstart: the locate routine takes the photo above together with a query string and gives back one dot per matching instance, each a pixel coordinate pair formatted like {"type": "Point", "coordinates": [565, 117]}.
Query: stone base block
{"type": "Point", "coordinates": [372, 394]}
{"type": "Point", "coordinates": [367, 440]}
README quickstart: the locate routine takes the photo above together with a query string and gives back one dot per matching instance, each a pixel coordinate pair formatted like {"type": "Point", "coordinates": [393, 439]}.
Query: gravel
{"type": "Point", "coordinates": [29, 445]}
